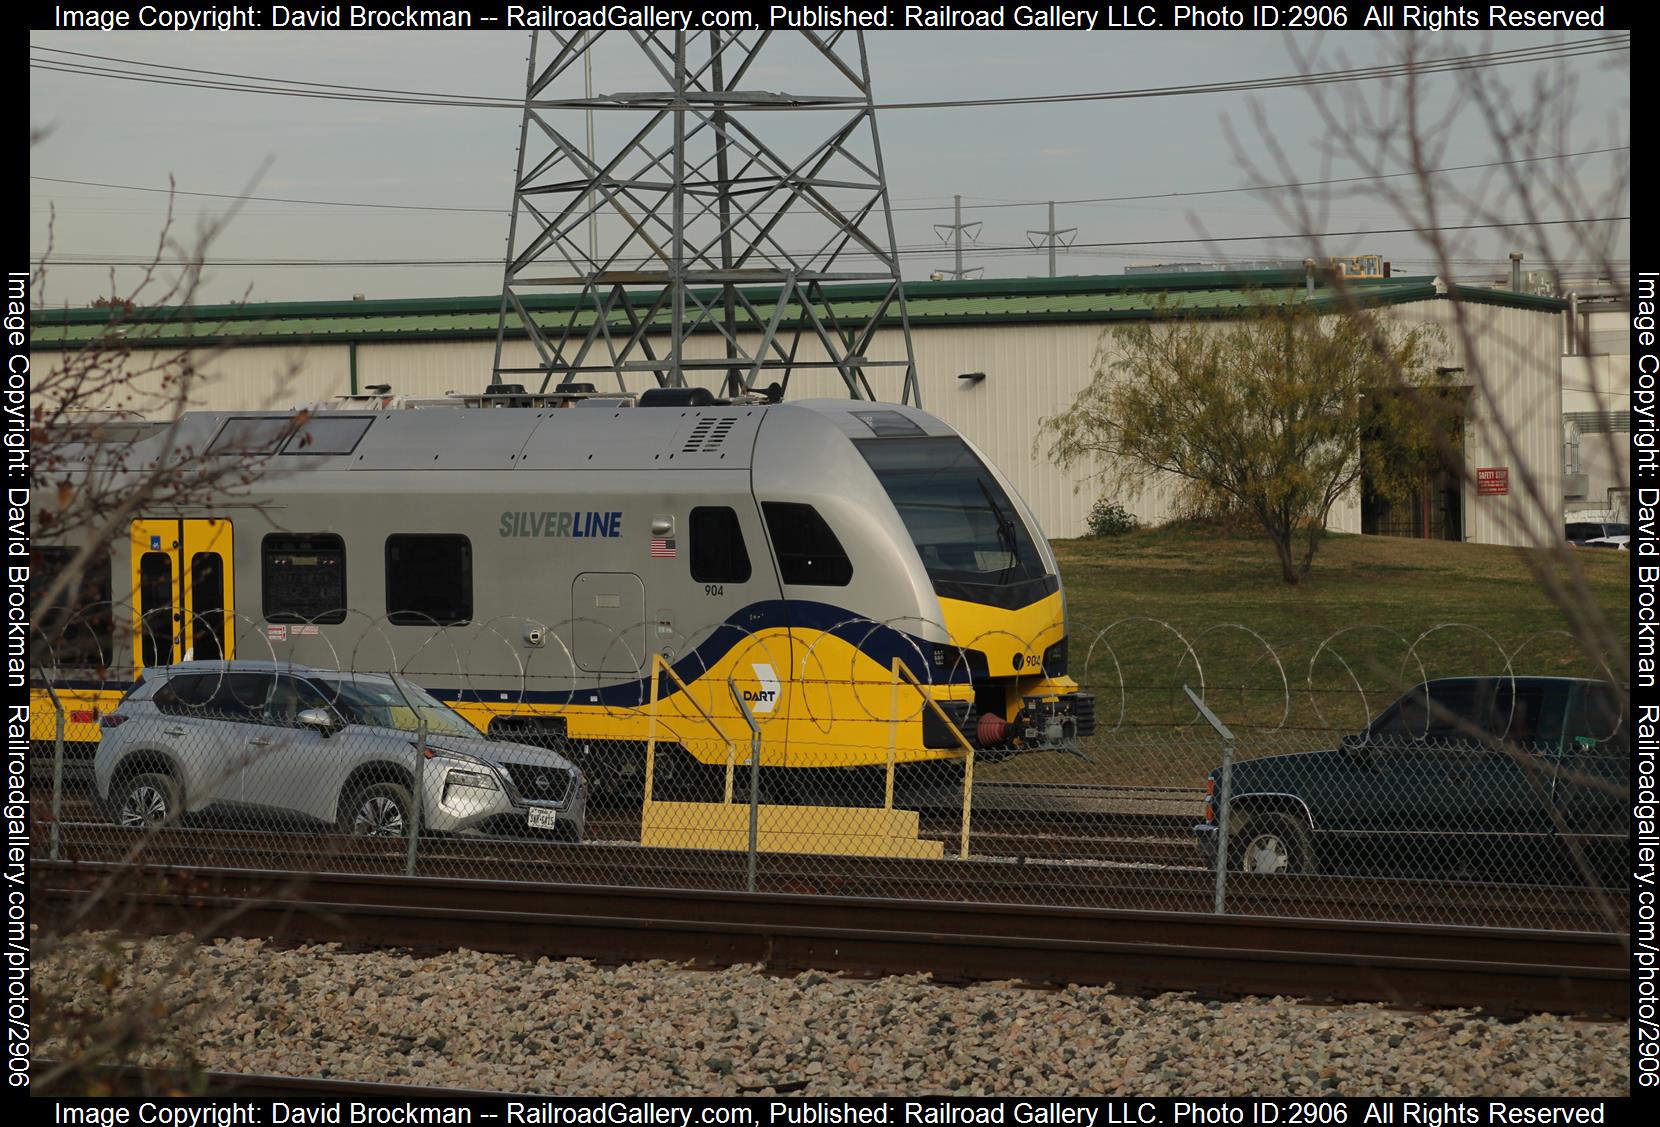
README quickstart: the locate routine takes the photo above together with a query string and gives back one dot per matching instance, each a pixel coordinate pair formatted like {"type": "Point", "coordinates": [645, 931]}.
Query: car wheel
{"type": "Point", "coordinates": [150, 799]}
{"type": "Point", "coordinates": [1272, 843]}
{"type": "Point", "coordinates": [378, 810]}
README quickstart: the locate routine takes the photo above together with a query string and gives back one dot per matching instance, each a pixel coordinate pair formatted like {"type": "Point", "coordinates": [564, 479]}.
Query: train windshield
{"type": "Point", "coordinates": [963, 524]}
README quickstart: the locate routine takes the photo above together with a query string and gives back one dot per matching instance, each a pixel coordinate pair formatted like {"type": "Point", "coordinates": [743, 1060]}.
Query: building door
{"type": "Point", "coordinates": [183, 591]}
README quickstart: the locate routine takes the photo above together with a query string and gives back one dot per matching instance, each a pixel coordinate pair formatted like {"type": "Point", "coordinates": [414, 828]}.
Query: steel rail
{"type": "Point", "coordinates": [1007, 880]}
{"type": "Point", "coordinates": [1504, 970]}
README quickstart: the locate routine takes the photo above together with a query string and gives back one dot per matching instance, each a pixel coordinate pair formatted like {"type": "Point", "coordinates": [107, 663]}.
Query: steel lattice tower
{"type": "Point", "coordinates": [727, 209]}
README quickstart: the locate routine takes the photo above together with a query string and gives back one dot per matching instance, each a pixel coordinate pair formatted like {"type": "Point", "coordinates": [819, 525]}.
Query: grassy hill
{"type": "Point", "coordinates": [1185, 605]}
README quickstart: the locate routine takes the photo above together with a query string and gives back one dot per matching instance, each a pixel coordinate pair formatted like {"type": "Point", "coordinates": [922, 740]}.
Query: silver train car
{"type": "Point", "coordinates": [539, 567]}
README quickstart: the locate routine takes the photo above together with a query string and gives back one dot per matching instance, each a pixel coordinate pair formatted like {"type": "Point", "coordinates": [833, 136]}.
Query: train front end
{"type": "Point", "coordinates": [946, 556]}
{"type": "Point", "coordinates": [998, 588]}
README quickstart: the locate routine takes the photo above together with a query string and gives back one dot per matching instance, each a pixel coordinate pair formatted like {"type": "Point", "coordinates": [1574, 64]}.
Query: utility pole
{"type": "Point", "coordinates": [957, 227]}
{"type": "Point", "coordinates": [1052, 237]}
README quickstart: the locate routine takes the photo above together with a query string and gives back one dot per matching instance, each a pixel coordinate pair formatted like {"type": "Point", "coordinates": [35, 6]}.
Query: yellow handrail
{"type": "Point", "coordinates": [901, 669]}
{"type": "Point", "coordinates": [658, 662]}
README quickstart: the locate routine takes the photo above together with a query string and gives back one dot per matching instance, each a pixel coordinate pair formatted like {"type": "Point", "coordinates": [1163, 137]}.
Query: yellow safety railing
{"type": "Point", "coordinates": [901, 670]}
{"type": "Point", "coordinates": [660, 664]}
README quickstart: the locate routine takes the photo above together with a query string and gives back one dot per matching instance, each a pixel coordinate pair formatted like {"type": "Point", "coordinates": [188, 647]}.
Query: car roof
{"type": "Point", "coordinates": [255, 666]}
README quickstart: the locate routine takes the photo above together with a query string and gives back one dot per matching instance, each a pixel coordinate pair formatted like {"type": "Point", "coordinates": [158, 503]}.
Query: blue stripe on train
{"type": "Point", "coordinates": [879, 642]}
{"type": "Point", "coordinates": [876, 641]}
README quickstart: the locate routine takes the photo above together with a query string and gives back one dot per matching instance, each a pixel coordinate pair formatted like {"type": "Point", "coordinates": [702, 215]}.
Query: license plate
{"type": "Point", "coordinates": [541, 819]}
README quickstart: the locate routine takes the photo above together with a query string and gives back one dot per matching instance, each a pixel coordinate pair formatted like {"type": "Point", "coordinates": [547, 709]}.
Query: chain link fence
{"type": "Point", "coordinates": [1358, 777]}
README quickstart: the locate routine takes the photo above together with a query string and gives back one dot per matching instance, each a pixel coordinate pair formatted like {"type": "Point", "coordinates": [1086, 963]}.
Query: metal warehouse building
{"type": "Point", "coordinates": [1036, 342]}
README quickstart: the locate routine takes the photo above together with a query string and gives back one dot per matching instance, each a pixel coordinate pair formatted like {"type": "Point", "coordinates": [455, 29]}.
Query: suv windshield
{"type": "Point", "coordinates": [963, 524]}
{"type": "Point", "coordinates": [380, 704]}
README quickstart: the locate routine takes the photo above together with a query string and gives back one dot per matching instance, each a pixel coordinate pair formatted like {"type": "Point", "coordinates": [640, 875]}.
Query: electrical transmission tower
{"type": "Point", "coordinates": [958, 228]}
{"type": "Point", "coordinates": [724, 211]}
{"type": "Point", "coordinates": [1052, 237]}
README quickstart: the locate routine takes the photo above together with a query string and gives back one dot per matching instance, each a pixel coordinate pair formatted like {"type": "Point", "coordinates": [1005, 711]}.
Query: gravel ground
{"type": "Point", "coordinates": [493, 1021]}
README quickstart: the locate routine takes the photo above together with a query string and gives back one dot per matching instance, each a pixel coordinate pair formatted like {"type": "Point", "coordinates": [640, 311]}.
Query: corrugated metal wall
{"type": "Point", "coordinates": [1032, 371]}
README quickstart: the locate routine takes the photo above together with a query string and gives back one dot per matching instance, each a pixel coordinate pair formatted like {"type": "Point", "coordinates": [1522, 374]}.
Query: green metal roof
{"type": "Point", "coordinates": [986, 301]}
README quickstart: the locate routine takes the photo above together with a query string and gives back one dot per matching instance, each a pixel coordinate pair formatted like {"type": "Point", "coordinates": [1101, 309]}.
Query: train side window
{"type": "Point", "coordinates": [718, 552]}
{"type": "Point", "coordinates": [78, 631]}
{"type": "Point", "coordinates": [155, 607]}
{"type": "Point", "coordinates": [429, 580]}
{"type": "Point", "coordinates": [304, 577]}
{"type": "Point", "coordinates": [327, 435]}
{"type": "Point", "coordinates": [207, 585]}
{"type": "Point", "coordinates": [808, 552]}
{"type": "Point", "coordinates": [251, 434]}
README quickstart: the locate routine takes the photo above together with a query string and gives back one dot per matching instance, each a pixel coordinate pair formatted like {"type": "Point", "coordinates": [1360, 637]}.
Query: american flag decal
{"type": "Point", "coordinates": [662, 549]}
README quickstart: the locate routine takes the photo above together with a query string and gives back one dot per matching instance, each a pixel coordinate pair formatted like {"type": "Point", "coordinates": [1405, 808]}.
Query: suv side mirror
{"type": "Point", "coordinates": [1357, 744]}
{"type": "Point", "coordinates": [320, 719]}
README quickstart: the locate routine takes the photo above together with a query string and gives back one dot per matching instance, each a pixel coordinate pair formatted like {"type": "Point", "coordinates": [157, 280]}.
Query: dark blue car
{"type": "Point", "coordinates": [1516, 778]}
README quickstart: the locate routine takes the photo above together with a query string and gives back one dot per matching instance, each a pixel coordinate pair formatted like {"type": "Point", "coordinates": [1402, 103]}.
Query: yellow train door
{"type": "Point", "coordinates": [183, 591]}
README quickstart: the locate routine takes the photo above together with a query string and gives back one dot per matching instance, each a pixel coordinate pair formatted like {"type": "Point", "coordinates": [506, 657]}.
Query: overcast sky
{"type": "Point", "coordinates": [137, 134]}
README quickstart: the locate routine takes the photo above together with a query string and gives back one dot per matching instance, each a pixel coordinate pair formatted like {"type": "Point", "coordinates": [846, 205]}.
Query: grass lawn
{"type": "Point", "coordinates": [1162, 608]}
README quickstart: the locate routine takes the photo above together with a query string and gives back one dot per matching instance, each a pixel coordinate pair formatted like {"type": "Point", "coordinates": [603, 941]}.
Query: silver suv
{"type": "Point", "coordinates": [286, 746]}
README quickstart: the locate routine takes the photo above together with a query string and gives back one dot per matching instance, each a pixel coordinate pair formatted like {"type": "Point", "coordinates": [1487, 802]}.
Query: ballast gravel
{"type": "Point", "coordinates": [474, 1020]}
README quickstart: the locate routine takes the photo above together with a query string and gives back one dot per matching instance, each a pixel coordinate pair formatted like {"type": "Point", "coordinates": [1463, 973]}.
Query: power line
{"type": "Point", "coordinates": [270, 199]}
{"type": "Point", "coordinates": [940, 207]}
{"type": "Point", "coordinates": [89, 259]}
{"type": "Point", "coordinates": [230, 81]}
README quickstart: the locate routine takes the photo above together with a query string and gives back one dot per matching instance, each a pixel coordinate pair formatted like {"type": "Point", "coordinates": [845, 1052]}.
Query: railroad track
{"type": "Point", "coordinates": [1084, 822]}
{"type": "Point", "coordinates": [977, 879]}
{"type": "Point", "coordinates": [1504, 970]}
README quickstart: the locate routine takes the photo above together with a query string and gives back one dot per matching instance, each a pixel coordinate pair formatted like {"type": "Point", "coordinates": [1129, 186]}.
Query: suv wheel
{"type": "Point", "coordinates": [1272, 843]}
{"type": "Point", "coordinates": [150, 799]}
{"type": "Point", "coordinates": [377, 810]}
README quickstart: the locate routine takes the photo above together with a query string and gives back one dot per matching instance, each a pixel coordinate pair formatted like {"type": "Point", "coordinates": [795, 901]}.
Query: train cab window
{"type": "Point", "coordinates": [304, 577]}
{"type": "Point", "coordinates": [808, 552]}
{"type": "Point", "coordinates": [155, 607]}
{"type": "Point", "coordinates": [718, 552]}
{"type": "Point", "coordinates": [429, 580]}
{"type": "Point", "coordinates": [78, 630]}
{"type": "Point", "coordinates": [965, 526]}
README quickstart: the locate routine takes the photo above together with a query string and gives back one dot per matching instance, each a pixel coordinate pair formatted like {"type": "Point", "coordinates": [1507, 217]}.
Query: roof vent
{"type": "Point", "coordinates": [708, 435]}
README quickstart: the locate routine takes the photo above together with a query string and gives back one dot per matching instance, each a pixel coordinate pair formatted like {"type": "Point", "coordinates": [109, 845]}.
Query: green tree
{"type": "Point", "coordinates": [1278, 413]}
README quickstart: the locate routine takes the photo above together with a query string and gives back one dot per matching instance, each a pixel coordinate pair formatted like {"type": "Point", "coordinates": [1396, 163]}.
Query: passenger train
{"type": "Point", "coordinates": [537, 566]}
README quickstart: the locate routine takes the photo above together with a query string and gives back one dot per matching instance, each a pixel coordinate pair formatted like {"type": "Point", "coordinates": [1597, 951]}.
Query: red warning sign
{"type": "Point", "coordinates": [1492, 480]}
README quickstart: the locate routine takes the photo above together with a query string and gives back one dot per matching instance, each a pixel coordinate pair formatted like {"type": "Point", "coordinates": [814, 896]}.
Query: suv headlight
{"type": "Point", "coordinates": [463, 778]}
{"type": "Point", "coordinates": [463, 770]}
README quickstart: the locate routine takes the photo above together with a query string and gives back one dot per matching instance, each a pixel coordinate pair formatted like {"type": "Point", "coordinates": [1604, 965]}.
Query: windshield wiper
{"type": "Point", "coordinates": [1005, 530]}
